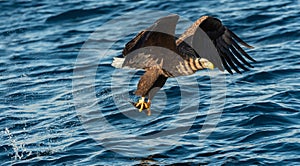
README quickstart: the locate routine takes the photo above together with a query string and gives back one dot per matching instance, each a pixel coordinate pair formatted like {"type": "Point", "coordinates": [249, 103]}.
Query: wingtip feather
{"type": "Point", "coordinates": [239, 39]}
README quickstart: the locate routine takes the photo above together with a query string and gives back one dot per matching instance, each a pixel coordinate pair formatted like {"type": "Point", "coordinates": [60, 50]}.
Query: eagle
{"type": "Point", "coordinates": [206, 44]}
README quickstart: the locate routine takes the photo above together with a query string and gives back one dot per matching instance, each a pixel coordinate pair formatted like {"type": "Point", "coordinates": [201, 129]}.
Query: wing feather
{"type": "Point", "coordinates": [229, 54]}
{"type": "Point", "coordinates": [238, 55]}
{"type": "Point", "coordinates": [242, 51]}
{"type": "Point", "coordinates": [135, 43]}
{"type": "Point", "coordinates": [224, 62]}
{"type": "Point", "coordinates": [225, 48]}
{"type": "Point", "coordinates": [143, 50]}
{"type": "Point", "coordinates": [239, 39]}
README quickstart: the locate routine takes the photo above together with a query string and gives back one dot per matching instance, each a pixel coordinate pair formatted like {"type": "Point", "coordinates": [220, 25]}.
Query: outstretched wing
{"type": "Point", "coordinates": [229, 54]}
{"type": "Point", "coordinates": [136, 42]}
{"type": "Point", "coordinates": [160, 34]}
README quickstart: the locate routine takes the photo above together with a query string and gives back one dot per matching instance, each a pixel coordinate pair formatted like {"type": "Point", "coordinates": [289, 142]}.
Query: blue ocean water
{"type": "Point", "coordinates": [62, 103]}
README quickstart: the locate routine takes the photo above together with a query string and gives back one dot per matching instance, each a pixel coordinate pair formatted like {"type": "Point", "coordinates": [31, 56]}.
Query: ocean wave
{"type": "Point", "coordinates": [41, 124]}
{"type": "Point", "coordinates": [80, 14]}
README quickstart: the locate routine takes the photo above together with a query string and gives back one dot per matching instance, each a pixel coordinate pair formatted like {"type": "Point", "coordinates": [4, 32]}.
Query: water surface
{"type": "Point", "coordinates": [42, 124]}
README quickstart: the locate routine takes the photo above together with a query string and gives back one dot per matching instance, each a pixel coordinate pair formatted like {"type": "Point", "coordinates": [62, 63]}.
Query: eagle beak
{"type": "Point", "coordinates": [207, 64]}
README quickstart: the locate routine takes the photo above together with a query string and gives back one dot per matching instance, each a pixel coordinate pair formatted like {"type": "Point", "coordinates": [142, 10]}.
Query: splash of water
{"type": "Point", "coordinates": [19, 149]}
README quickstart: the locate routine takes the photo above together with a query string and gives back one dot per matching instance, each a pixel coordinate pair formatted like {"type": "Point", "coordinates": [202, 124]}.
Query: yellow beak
{"type": "Point", "coordinates": [207, 64]}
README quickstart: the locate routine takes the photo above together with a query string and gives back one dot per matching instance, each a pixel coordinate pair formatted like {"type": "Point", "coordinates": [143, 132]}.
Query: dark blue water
{"type": "Point", "coordinates": [61, 102]}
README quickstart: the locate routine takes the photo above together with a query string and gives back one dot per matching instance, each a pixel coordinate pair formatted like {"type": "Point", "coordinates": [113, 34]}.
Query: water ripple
{"type": "Point", "coordinates": [40, 123]}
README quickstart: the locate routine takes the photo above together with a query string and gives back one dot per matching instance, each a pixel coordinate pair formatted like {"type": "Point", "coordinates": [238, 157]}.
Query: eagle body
{"type": "Point", "coordinates": [207, 43]}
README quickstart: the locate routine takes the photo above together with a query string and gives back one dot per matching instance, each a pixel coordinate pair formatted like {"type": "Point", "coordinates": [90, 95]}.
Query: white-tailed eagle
{"type": "Point", "coordinates": [205, 44]}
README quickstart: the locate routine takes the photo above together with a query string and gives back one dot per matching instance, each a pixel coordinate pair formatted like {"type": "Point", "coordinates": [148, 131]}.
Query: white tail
{"type": "Point", "coordinates": [118, 62]}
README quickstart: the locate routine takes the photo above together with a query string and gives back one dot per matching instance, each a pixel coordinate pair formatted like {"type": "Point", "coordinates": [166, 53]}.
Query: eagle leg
{"type": "Point", "coordinates": [141, 105]}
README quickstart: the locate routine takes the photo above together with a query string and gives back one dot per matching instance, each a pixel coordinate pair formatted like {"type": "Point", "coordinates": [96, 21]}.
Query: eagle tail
{"type": "Point", "coordinates": [118, 62]}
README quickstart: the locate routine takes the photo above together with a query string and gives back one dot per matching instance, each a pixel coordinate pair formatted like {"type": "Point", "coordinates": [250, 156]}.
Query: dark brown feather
{"type": "Point", "coordinates": [230, 54]}
{"type": "Point", "coordinates": [148, 80]}
{"type": "Point", "coordinates": [134, 43]}
{"type": "Point", "coordinates": [141, 52]}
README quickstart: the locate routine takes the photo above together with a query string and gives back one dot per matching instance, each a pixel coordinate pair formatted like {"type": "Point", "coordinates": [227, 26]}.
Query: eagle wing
{"type": "Point", "coordinates": [143, 51]}
{"type": "Point", "coordinates": [194, 42]}
{"type": "Point", "coordinates": [136, 42]}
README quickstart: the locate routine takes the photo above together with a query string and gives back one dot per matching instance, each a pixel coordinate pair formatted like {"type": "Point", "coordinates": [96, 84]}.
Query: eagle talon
{"type": "Point", "coordinates": [141, 105]}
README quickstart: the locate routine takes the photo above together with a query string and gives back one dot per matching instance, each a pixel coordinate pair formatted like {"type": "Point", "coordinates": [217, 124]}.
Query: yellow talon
{"type": "Point", "coordinates": [141, 104]}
